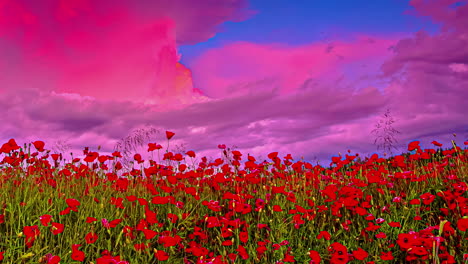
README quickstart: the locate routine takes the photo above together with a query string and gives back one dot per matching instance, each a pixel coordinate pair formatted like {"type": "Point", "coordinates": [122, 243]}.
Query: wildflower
{"type": "Point", "coordinates": [277, 208]}
{"type": "Point", "coordinates": [50, 259]}
{"type": "Point", "coordinates": [45, 219]}
{"type": "Point", "coordinates": [405, 241]}
{"type": "Point", "coordinates": [161, 255]}
{"type": "Point", "coordinates": [168, 241]}
{"type": "Point", "coordinates": [227, 243]}
{"type": "Point", "coordinates": [107, 258]}
{"type": "Point", "coordinates": [462, 224]}
{"type": "Point", "coordinates": [324, 234]}
{"type": "Point", "coordinates": [91, 238]}
{"type": "Point", "coordinates": [149, 234]}
{"type": "Point", "coordinates": [31, 232]}
{"type": "Point", "coordinates": [386, 255]}
{"type": "Point", "coordinates": [380, 220]}
{"type": "Point", "coordinates": [73, 204]}
{"type": "Point", "coordinates": [339, 253]}
{"type": "Point", "coordinates": [244, 237]}
{"type": "Point", "coordinates": [169, 134]}
{"type": "Point", "coordinates": [413, 145]}
{"type": "Point", "coordinates": [105, 223]}
{"type": "Point", "coordinates": [394, 224]}
{"type": "Point", "coordinates": [314, 256]}
{"type": "Point", "coordinates": [360, 254]}
{"type": "Point", "coordinates": [242, 252]}
{"type": "Point", "coordinates": [77, 255]}
{"type": "Point", "coordinates": [90, 219]}
{"type": "Point", "coordinates": [39, 145]}
{"type": "Point", "coordinates": [57, 228]}
{"type": "Point", "coordinates": [381, 235]}
{"type": "Point", "coordinates": [140, 247]}
{"type": "Point", "coordinates": [427, 198]}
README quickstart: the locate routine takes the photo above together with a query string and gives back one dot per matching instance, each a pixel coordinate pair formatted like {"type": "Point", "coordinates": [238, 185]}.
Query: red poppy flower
{"type": "Point", "coordinates": [427, 198]}
{"type": "Point", "coordinates": [190, 153]}
{"type": "Point", "coordinates": [168, 241]}
{"type": "Point", "coordinates": [149, 234]}
{"type": "Point", "coordinates": [108, 259]}
{"type": "Point", "coordinates": [53, 259]}
{"type": "Point", "coordinates": [77, 255]}
{"type": "Point", "coordinates": [381, 235]}
{"type": "Point", "coordinates": [394, 224]}
{"type": "Point", "coordinates": [386, 255]}
{"type": "Point", "coordinates": [39, 145]}
{"type": "Point", "coordinates": [277, 208]}
{"type": "Point", "coordinates": [31, 232]}
{"type": "Point", "coordinates": [161, 255]}
{"type": "Point", "coordinates": [406, 241]}
{"type": "Point", "coordinates": [172, 217]}
{"type": "Point", "coordinates": [413, 145]}
{"type": "Point", "coordinates": [140, 247]}
{"type": "Point", "coordinates": [462, 224]}
{"type": "Point", "coordinates": [222, 146]}
{"type": "Point", "coordinates": [242, 252]}
{"type": "Point", "coordinates": [115, 222]}
{"type": "Point", "coordinates": [137, 157]}
{"type": "Point", "coordinates": [420, 251]}
{"type": "Point", "coordinates": [448, 229]}
{"type": "Point", "coordinates": [153, 146]}
{"type": "Point", "coordinates": [315, 257]}
{"type": "Point", "coordinates": [91, 238]}
{"type": "Point", "coordinates": [73, 202]}
{"type": "Point", "coordinates": [324, 234]}
{"type": "Point", "coordinates": [65, 211]}
{"type": "Point", "coordinates": [57, 228]}
{"type": "Point", "coordinates": [90, 219]}
{"type": "Point", "coordinates": [116, 154]}
{"type": "Point", "coordinates": [90, 157]}
{"type": "Point", "coordinates": [169, 134]}
{"type": "Point", "coordinates": [360, 254]}
{"type": "Point", "coordinates": [45, 219]}
{"type": "Point", "coordinates": [339, 253]}
{"type": "Point", "coordinates": [227, 243]}
{"type": "Point", "coordinates": [9, 146]}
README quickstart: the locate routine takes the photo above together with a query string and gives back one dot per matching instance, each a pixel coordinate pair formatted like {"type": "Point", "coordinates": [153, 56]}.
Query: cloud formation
{"type": "Point", "coordinates": [112, 50]}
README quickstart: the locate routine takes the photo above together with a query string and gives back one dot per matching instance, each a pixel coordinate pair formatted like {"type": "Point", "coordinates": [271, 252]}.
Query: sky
{"type": "Point", "coordinates": [306, 78]}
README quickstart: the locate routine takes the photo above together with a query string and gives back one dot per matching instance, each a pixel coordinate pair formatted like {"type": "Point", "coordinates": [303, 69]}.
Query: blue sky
{"type": "Point", "coordinates": [301, 22]}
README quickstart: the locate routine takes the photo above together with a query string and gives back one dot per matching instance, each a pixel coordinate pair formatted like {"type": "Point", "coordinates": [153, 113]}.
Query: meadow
{"type": "Point", "coordinates": [409, 208]}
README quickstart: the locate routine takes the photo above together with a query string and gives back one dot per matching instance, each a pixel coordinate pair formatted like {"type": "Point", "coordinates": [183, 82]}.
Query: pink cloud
{"type": "Point", "coordinates": [431, 69]}
{"type": "Point", "coordinates": [442, 11]}
{"type": "Point", "coordinates": [113, 50]}
{"type": "Point", "coordinates": [242, 67]}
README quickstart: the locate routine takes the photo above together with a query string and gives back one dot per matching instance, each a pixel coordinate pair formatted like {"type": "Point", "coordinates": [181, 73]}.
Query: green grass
{"type": "Point", "coordinates": [345, 213]}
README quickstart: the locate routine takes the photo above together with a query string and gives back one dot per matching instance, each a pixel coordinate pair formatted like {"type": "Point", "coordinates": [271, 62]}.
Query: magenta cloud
{"type": "Point", "coordinates": [111, 50]}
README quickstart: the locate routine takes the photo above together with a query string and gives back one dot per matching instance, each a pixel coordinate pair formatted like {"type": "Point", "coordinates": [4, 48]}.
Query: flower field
{"type": "Point", "coordinates": [411, 208]}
